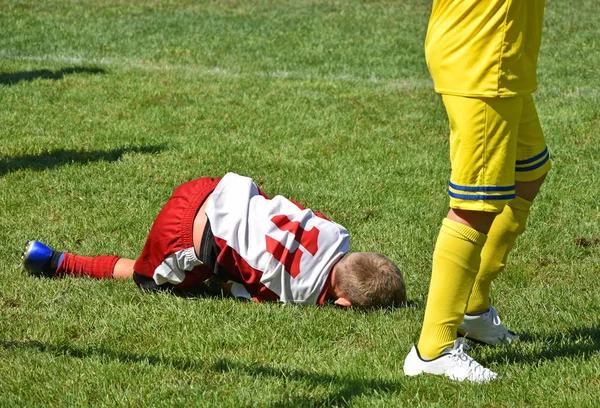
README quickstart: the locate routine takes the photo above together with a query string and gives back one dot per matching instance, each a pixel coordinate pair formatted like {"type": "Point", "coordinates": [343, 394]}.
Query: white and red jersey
{"type": "Point", "coordinates": [276, 248]}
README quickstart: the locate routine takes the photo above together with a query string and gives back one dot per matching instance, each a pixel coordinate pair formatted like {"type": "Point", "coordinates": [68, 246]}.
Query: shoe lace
{"type": "Point", "coordinates": [475, 371]}
{"type": "Point", "coordinates": [494, 317]}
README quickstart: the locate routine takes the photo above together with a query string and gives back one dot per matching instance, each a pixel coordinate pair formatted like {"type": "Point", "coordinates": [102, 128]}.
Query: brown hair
{"type": "Point", "coordinates": [369, 279]}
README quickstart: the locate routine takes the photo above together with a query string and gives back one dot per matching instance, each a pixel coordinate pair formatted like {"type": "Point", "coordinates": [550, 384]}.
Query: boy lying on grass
{"type": "Point", "coordinates": [259, 248]}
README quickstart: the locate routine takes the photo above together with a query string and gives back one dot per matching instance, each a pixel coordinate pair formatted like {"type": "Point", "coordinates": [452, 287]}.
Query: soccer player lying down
{"type": "Point", "coordinates": [260, 248]}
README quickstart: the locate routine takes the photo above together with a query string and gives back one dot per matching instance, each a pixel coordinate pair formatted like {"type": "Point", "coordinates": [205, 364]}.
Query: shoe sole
{"type": "Point", "coordinates": [26, 252]}
{"type": "Point", "coordinates": [462, 333]}
{"type": "Point", "coordinates": [412, 372]}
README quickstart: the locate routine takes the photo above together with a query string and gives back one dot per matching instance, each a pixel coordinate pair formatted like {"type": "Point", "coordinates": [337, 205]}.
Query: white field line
{"type": "Point", "coordinates": [406, 83]}
{"type": "Point", "coordinates": [394, 83]}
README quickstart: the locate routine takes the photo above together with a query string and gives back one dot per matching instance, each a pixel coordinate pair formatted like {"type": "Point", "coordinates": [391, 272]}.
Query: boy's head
{"type": "Point", "coordinates": [367, 279]}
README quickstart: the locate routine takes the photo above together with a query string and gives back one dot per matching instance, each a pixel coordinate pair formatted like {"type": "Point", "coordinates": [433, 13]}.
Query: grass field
{"type": "Point", "coordinates": [107, 105]}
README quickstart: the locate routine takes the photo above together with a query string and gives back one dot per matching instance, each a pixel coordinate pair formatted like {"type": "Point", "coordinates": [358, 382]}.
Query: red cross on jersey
{"type": "Point", "coordinates": [280, 250]}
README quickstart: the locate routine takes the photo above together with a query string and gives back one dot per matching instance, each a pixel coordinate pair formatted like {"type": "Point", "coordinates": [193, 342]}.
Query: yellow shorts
{"type": "Point", "coordinates": [493, 143]}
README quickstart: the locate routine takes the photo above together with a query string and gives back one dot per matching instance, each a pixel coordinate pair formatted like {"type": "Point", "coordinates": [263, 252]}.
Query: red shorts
{"type": "Point", "coordinates": [172, 232]}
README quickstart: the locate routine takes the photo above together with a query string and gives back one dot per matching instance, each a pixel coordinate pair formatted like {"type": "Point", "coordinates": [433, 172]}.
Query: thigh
{"type": "Point", "coordinates": [168, 254]}
{"type": "Point", "coordinates": [483, 148]}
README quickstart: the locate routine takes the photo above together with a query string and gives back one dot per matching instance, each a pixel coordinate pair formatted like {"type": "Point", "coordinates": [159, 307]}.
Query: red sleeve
{"type": "Point", "coordinates": [323, 295]}
{"type": "Point", "coordinates": [194, 278]}
{"type": "Point", "coordinates": [260, 293]}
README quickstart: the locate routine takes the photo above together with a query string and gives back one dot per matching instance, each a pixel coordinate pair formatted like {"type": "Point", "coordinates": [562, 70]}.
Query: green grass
{"type": "Point", "coordinates": [106, 106]}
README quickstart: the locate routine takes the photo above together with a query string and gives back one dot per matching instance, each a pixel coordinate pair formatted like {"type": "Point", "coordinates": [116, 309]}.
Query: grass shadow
{"type": "Point", "coordinates": [60, 157]}
{"type": "Point", "coordinates": [16, 77]}
{"type": "Point", "coordinates": [345, 388]}
{"type": "Point", "coordinates": [583, 342]}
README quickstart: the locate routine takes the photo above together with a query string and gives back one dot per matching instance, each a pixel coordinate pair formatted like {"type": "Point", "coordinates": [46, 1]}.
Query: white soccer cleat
{"type": "Point", "coordinates": [486, 328]}
{"type": "Point", "coordinates": [454, 363]}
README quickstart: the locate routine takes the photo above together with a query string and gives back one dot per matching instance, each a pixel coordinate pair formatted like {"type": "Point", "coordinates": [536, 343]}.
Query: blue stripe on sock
{"type": "Point", "coordinates": [61, 259]}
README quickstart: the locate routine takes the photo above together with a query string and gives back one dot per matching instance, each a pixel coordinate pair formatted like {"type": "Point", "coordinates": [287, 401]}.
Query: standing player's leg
{"type": "Point", "coordinates": [532, 164]}
{"type": "Point", "coordinates": [505, 230]}
{"type": "Point", "coordinates": [483, 140]}
{"type": "Point", "coordinates": [39, 259]}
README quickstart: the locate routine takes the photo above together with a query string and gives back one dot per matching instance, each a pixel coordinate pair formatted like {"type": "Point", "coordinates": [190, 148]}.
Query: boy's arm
{"type": "Point", "coordinates": [318, 214]}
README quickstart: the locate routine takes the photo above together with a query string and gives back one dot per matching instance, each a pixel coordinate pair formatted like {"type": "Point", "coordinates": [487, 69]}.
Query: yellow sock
{"type": "Point", "coordinates": [456, 262]}
{"type": "Point", "coordinates": [507, 226]}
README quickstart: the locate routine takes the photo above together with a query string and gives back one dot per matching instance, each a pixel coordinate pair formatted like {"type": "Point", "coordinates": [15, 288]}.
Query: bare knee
{"type": "Point", "coordinates": [478, 220]}
{"type": "Point", "coordinates": [528, 190]}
